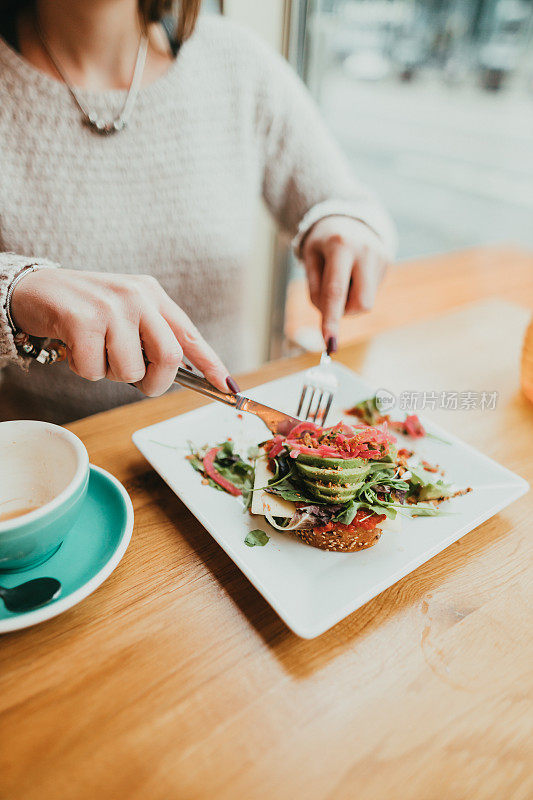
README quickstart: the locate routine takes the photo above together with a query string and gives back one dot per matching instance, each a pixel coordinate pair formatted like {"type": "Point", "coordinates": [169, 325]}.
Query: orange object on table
{"type": "Point", "coordinates": [527, 363]}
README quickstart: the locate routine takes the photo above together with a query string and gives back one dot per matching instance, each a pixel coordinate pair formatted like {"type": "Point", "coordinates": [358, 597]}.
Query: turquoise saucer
{"type": "Point", "coordinates": [89, 554]}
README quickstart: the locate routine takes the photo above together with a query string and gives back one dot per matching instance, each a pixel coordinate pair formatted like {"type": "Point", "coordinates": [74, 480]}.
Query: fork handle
{"type": "Point", "coordinates": [201, 385]}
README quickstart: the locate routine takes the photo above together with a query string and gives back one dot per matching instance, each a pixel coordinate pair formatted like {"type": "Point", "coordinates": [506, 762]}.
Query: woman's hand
{"type": "Point", "coordinates": [107, 321]}
{"type": "Point", "coordinates": [345, 261]}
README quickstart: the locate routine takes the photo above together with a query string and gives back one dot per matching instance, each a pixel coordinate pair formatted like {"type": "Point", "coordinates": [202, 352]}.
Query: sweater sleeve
{"type": "Point", "coordinates": [306, 176]}
{"type": "Point", "coordinates": [10, 265]}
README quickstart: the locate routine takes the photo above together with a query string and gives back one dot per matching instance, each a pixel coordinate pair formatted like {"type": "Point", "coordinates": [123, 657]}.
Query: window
{"type": "Point", "coordinates": [433, 103]}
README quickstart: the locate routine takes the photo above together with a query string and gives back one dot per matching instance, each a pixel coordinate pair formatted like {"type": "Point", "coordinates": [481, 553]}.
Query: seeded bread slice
{"type": "Point", "coordinates": [340, 541]}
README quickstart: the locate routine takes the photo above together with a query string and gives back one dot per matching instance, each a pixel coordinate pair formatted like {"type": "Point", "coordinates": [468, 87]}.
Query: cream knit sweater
{"type": "Point", "coordinates": [175, 194]}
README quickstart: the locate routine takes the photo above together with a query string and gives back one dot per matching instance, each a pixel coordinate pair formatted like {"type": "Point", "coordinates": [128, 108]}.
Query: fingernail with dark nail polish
{"type": "Point", "coordinates": [232, 384]}
{"type": "Point", "coordinates": [332, 345]}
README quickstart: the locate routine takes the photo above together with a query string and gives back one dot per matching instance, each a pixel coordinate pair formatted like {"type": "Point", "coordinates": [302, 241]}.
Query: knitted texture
{"type": "Point", "coordinates": [175, 194]}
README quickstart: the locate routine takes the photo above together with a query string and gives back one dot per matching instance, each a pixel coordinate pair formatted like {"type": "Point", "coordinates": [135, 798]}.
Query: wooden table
{"type": "Point", "coordinates": [175, 680]}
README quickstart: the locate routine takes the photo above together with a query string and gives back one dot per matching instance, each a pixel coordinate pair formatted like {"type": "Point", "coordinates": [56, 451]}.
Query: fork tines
{"type": "Point", "coordinates": [323, 396]}
{"type": "Point", "coordinates": [318, 391]}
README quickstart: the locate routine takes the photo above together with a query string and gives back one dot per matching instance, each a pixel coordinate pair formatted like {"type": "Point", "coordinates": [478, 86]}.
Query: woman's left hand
{"type": "Point", "coordinates": [345, 262]}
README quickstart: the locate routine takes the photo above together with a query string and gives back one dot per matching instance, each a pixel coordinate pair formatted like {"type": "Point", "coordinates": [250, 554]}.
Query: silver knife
{"type": "Point", "coordinates": [276, 421]}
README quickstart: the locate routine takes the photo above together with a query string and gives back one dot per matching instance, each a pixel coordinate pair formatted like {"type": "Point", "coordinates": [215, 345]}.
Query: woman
{"type": "Point", "coordinates": [151, 225]}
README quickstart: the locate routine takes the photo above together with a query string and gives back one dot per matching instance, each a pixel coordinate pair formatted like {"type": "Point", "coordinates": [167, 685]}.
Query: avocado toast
{"type": "Point", "coordinates": [335, 488]}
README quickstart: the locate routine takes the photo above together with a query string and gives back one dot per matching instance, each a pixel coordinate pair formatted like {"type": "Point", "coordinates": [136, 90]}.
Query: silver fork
{"type": "Point", "coordinates": [321, 382]}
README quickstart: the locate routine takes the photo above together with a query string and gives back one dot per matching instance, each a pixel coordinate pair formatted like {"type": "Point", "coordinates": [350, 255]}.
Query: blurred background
{"type": "Point", "coordinates": [432, 101]}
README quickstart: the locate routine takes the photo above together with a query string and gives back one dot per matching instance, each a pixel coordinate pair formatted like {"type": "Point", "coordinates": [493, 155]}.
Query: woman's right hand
{"type": "Point", "coordinates": [108, 320]}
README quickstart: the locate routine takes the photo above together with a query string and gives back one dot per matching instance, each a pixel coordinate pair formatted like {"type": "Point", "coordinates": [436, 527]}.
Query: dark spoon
{"type": "Point", "coordinates": [30, 594]}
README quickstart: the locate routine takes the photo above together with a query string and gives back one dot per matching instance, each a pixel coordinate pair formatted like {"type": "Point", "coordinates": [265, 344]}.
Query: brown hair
{"type": "Point", "coordinates": [150, 11]}
{"type": "Point", "coordinates": [153, 10]}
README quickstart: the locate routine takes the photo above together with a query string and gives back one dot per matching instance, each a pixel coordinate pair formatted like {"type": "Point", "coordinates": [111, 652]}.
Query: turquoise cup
{"type": "Point", "coordinates": [44, 474]}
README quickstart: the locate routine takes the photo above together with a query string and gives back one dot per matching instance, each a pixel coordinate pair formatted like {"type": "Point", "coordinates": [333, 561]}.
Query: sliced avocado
{"type": "Point", "coordinates": [330, 463]}
{"type": "Point", "coordinates": [332, 490]}
{"type": "Point", "coordinates": [330, 495]}
{"type": "Point", "coordinates": [331, 480]}
{"type": "Point", "coordinates": [328, 475]}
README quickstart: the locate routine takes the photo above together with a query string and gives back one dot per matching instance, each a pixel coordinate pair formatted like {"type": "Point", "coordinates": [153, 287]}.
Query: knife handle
{"type": "Point", "coordinates": [198, 384]}
{"type": "Point", "coordinates": [55, 351]}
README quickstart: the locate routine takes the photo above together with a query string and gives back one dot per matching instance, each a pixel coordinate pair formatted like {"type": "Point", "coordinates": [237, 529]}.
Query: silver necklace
{"type": "Point", "coordinates": [90, 118]}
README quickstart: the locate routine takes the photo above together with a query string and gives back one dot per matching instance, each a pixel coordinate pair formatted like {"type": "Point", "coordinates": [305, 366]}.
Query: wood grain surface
{"type": "Point", "coordinates": [175, 679]}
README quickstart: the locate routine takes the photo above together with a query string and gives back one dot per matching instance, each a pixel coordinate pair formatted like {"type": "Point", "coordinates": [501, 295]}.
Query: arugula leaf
{"type": "Point", "coordinates": [368, 410]}
{"type": "Point", "coordinates": [232, 467]}
{"type": "Point", "coordinates": [425, 487]}
{"type": "Point", "coordinates": [288, 487]}
{"type": "Point", "coordinates": [292, 494]}
{"type": "Point", "coordinates": [283, 469]}
{"type": "Point", "coordinates": [213, 484]}
{"type": "Point", "coordinates": [436, 491]}
{"type": "Point", "coordinates": [248, 491]}
{"type": "Point", "coordinates": [196, 463]}
{"type": "Point", "coordinates": [347, 514]}
{"type": "Point", "coordinates": [256, 538]}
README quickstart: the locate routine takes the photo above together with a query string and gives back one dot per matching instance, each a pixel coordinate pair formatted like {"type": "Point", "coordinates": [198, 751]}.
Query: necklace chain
{"type": "Point", "coordinates": [91, 119]}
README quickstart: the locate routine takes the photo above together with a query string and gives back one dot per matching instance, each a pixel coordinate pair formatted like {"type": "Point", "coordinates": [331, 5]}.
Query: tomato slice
{"type": "Point", "coordinates": [366, 519]}
{"type": "Point", "coordinates": [363, 519]}
{"type": "Point", "coordinates": [211, 470]}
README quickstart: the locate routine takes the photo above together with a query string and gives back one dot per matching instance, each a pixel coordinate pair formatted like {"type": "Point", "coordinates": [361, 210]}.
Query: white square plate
{"type": "Point", "coordinates": [311, 589]}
